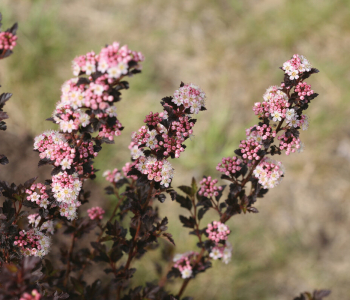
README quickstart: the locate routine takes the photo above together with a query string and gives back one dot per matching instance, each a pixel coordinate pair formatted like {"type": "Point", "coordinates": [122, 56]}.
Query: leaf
{"type": "Point", "coordinates": [184, 202]}
{"type": "Point", "coordinates": [187, 222]}
{"type": "Point", "coordinates": [3, 159]}
{"type": "Point", "coordinates": [320, 294]}
{"type": "Point", "coordinates": [109, 190]}
{"type": "Point", "coordinates": [29, 182]}
{"type": "Point", "coordinates": [187, 190]}
{"type": "Point", "coordinates": [201, 212]}
{"type": "Point", "coordinates": [169, 237]}
{"type": "Point", "coordinates": [78, 287]}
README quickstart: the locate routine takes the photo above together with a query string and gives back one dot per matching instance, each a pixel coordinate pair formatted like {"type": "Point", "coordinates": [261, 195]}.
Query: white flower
{"type": "Point", "coordinates": [113, 72]}
{"type": "Point", "coordinates": [76, 70]}
{"type": "Point", "coordinates": [136, 152]}
{"type": "Point", "coordinates": [186, 273]}
{"type": "Point", "coordinates": [102, 66]}
{"type": "Point", "coordinates": [65, 164]}
{"type": "Point", "coordinates": [84, 119]}
{"type": "Point", "coordinates": [90, 68]}
{"type": "Point", "coordinates": [222, 228]}
{"type": "Point", "coordinates": [290, 114]}
{"type": "Point", "coordinates": [276, 116]}
{"type": "Point", "coordinates": [44, 203]}
{"type": "Point", "coordinates": [112, 111]}
{"type": "Point", "coordinates": [293, 122]}
{"type": "Point", "coordinates": [301, 148]}
{"type": "Point", "coordinates": [98, 89]}
{"type": "Point", "coordinates": [151, 143]}
{"type": "Point", "coordinates": [293, 75]}
{"type": "Point", "coordinates": [215, 253]}
{"type": "Point", "coordinates": [177, 100]}
{"type": "Point", "coordinates": [123, 68]}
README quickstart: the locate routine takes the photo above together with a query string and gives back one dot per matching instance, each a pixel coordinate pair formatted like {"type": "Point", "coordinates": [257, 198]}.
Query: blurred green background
{"type": "Point", "coordinates": [232, 49]}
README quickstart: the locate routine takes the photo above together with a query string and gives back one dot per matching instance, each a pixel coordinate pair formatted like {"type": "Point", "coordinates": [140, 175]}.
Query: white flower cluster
{"type": "Point", "coordinates": [295, 66]}
{"type": "Point", "coordinates": [222, 251]}
{"type": "Point", "coordinates": [66, 189]}
{"type": "Point", "coordinates": [269, 172]}
{"type": "Point", "coordinates": [37, 243]}
{"type": "Point", "coordinates": [159, 171]}
{"type": "Point", "coordinates": [191, 96]}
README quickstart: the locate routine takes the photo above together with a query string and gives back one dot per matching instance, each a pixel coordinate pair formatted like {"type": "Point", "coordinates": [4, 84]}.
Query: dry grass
{"type": "Point", "coordinates": [232, 49]}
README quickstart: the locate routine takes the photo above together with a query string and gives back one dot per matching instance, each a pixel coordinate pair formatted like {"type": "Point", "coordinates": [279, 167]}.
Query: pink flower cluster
{"type": "Point", "coordinates": [289, 144]}
{"type": "Point", "coordinates": [269, 173]}
{"type": "Point", "coordinates": [65, 190]}
{"type": "Point", "coordinates": [208, 187]}
{"type": "Point", "coordinates": [34, 295]}
{"type": "Point", "coordinates": [32, 242]}
{"type": "Point", "coordinates": [153, 119]}
{"type": "Point", "coordinates": [296, 66]}
{"type": "Point", "coordinates": [229, 166]}
{"type": "Point", "coordinates": [7, 40]}
{"type": "Point", "coordinates": [260, 133]}
{"type": "Point", "coordinates": [303, 89]}
{"type": "Point", "coordinates": [166, 141]}
{"type": "Point", "coordinates": [217, 231]}
{"type": "Point", "coordinates": [222, 251]}
{"type": "Point", "coordinates": [112, 177]}
{"type": "Point", "coordinates": [249, 149]}
{"type": "Point", "coordinates": [190, 96]}
{"type": "Point", "coordinates": [53, 146]}
{"type": "Point", "coordinates": [184, 263]}
{"type": "Point", "coordinates": [113, 62]}
{"type": "Point", "coordinates": [159, 171]}
{"type": "Point", "coordinates": [110, 132]}
{"type": "Point", "coordinates": [86, 151]}
{"type": "Point", "coordinates": [37, 193]}
{"type": "Point", "coordinates": [96, 213]}
{"type": "Point", "coordinates": [69, 119]}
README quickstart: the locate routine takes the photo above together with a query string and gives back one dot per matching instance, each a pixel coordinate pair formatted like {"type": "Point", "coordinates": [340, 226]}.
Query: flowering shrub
{"type": "Point", "coordinates": [86, 117]}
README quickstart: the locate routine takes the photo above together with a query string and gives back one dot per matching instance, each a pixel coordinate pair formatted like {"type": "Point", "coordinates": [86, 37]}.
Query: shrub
{"type": "Point", "coordinates": [86, 116]}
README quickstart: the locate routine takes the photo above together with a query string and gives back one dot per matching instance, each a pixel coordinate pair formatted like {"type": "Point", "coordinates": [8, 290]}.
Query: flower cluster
{"type": "Point", "coordinates": [34, 295]}
{"type": "Point", "coordinates": [34, 220]}
{"type": "Point", "coordinates": [7, 40]}
{"type": "Point", "coordinates": [65, 190]}
{"type": "Point", "coordinates": [113, 62]}
{"type": "Point", "coordinates": [289, 143]}
{"type": "Point", "coordinates": [113, 176]}
{"type": "Point", "coordinates": [260, 133]}
{"type": "Point", "coordinates": [37, 193]}
{"type": "Point", "coordinates": [303, 89]}
{"type": "Point", "coordinates": [184, 263]}
{"type": "Point", "coordinates": [222, 251]}
{"type": "Point", "coordinates": [250, 149]}
{"type": "Point", "coordinates": [164, 136]}
{"type": "Point", "coordinates": [95, 213]}
{"type": "Point", "coordinates": [269, 173]}
{"type": "Point", "coordinates": [229, 166]}
{"type": "Point", "coordinates": [208, 187]}
{"type": "Point", "coordinates": [33, 242]}
{"type": "Point", "coordinates": [217, 231]}
{"type": "Point", "coordinates": [190, 96]}
{"type": "Point", "coordinates": [53, 146]}
{"type": "Point", "coordinates": [159, 171]}
{"type": "Point", "coordinates": [297, 65]}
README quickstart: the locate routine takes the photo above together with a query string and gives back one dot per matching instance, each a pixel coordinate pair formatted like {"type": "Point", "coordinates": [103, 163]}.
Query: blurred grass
{"type": "Point", "coordinates": [232, 49]}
